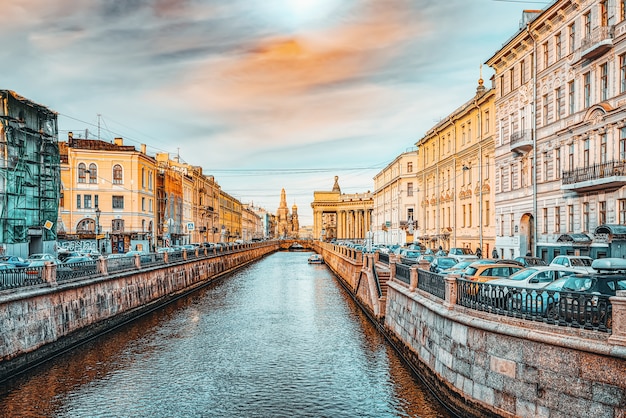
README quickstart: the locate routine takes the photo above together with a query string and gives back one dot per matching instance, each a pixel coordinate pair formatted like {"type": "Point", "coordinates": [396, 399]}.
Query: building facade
{"type": "Point", "coordinates": [394, 215]}
{"type": "Point", "coordinates": [108, 195]}
{"type": "Point", "coordinates": [230, 218]}
{"type": "Point", "coordinates": [455, 177]}
{"type": "Point", "coordinates": [338, 216]}
{"type": "Point", "coordinates": [30, 176]}
{"type": "Point", "coordinates": [561, 135]}
{"type": "Point", "coordinates": [251, 224]}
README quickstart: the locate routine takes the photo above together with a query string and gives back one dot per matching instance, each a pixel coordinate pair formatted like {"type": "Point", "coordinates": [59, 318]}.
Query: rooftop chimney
{"type": "Point", "coordinates": [118, 141]}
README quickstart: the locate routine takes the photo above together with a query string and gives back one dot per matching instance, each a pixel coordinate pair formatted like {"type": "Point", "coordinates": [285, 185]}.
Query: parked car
{"type": "Point", "coordinates": [63, 255]}
{"type": "Point", "coordinates": [426, 258]}
{"type": "Point", "coordinates": [528, 261]}
{"type": "Point", "coordinates": [39, 260]}
{"type": "Point", "coordinates": [14, 260]}
{"type": "Point", "coordinates": [479, 272]}
{"type": "Point", "coordinates": [461, 266]}
{"type": "Point", "coordinates": [462, 254]}
{"type": "Point", "coordinates": [78, 259]}
{"type": "Point", "coordinates": [540, 302]}
{"type": "Point", "coordinates": [581, 263]}
{"type": "Point", "coordinates": [440, 264]}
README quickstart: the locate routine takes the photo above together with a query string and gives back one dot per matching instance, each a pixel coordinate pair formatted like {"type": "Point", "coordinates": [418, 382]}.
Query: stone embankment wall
{"type": "Point", "coordinates": [42, 321]}
{"type": "Point", "coordinates": [488, 365]}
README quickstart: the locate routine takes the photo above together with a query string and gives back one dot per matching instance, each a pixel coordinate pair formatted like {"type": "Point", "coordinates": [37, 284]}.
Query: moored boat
{"type": "Point", "coordinates": [316, 259]}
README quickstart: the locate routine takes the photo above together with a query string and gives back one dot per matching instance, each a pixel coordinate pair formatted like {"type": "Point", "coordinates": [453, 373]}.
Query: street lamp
{"type": "Point", "coordinates": [98, 212]}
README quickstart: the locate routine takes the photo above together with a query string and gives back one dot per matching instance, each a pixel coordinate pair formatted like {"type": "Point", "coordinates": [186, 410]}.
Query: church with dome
{"type": "Point", "coordinates": [287, 225]}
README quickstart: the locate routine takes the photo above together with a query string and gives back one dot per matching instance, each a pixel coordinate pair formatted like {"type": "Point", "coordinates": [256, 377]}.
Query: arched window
{"type": "Point", "coordinates": [86, 225]}
{"type": "Point", "coordinates": [93, 173]}
{"type": "Point", "coordinates": [81, 172]}
{"type": "Point", "coordinates": [143, 225]}
{"type": "Point", "coordinates": [117, 174]}
{"type": "Point", "coordinates": [150, 227]}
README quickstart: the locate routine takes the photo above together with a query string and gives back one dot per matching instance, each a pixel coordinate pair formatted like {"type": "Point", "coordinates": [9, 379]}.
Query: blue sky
{"type": "Point", "coordinates": [263, 95]}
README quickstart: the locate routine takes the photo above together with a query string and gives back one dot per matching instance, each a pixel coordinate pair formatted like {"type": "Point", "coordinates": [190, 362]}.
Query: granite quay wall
{"type": "Point", "coordinates": [38, 322]}
{"type": "Point", "coordinates": [486, 365]}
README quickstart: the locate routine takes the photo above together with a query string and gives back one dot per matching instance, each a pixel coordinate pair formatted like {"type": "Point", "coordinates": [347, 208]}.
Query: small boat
{"type": "Point", "coordinates": [296, 247]}
{"type": "Point", "coordinates": [316, 259]}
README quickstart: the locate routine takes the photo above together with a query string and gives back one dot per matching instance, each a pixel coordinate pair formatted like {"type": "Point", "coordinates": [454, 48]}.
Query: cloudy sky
{"type": "Point", "coordinates": [264, 94]}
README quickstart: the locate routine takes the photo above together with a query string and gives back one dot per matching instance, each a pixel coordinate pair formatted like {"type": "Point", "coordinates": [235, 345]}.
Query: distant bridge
{"type": "Point", "coordinates": [296, 244]}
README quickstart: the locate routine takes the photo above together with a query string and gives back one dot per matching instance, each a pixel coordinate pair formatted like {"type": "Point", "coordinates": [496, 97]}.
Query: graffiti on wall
{"type": "Point", "coordinates": [81, 245]}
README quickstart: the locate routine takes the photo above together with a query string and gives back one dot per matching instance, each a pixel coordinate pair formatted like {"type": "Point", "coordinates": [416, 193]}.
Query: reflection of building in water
{"type": "Point", "coordinates": [341, 216]}
{"type": "Point", "coordinates": [287, 225]}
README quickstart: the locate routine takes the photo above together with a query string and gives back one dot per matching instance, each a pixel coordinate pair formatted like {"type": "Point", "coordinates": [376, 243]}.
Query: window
{"type": "Point", "coordinates": [602, 213]}
{"type": "Point", "coordinates": [150, 181]}
{"type": "Point", "coordinates": [462, 134]}
{"type": "Point", "coordinates": [586, 145]}
{"type": "Point", "coordinates": [570, 218]}
{"type": "Point", "coordinates": [86, 225]}
{"type": "Point", "coordinates": [544, 215]}
{"type": "Point", "coordinates": [512, 78]}
{"type": "Point", "coordinates": [558, 46]}
{"type": "Point", "coordinates": [587, 23]}
{"type": "Point", "coordinates": [622, 144]}
{"type": "Point", "coordinates": [603, 156]}
{"type": "Point", "coordinates": [87, 200]}
{"type": "Point", "coordinates": [117, 225]}
{"type": "Point", "coordinates": [511, 170]}
{"type": "Point", "coordinates": [557, 163]}
{"type": "Point", "coordinates": [604, 81]}
{"type": "Point", "coordinates": [78, 201]}
{"type": "Point", "coordinates": [622, 72]}
{"type": "Point", "coordinates": [486, 127]}
{"type": "Point", "coordinates": [512, 226]}
{"type": "Point", "coordinates": [571, 96]}
{"type": "Point", "coordinates": [585, 216]}
{"type": "Point", "coordinates": [545, 166]}
{"type": "Point", "coordinates": [469, 132]}
{"type": "Point", "coordinates": [604, 15]}
{"type": "Point", "coordinates": [409, 189]}
{"type": "Point", "coordinates": [622, 10]}
{"type": "Point", "coordinates": [143, 204]}
{"type": "Point", "coordinates": [487, 209]}
{"type": "Point", "coordinates": [570, 157]}
{"type": "Point", "coordinates": [522, 72]}
{"type": "Point", "coordinates": [82, 168]}
{"type": "Point", "coordinates": [622, 211]}
{"type": "Point", "coordinates": [464, 216]}
{"type": "Point", "coordinates": [587, 89]}
{"type": "Point", "coordinates": [558, 96]}
{"type": "Point", "coordinates": [545, 110]}
{"type": "Point", "coordinates": [95, 201]}
{"type": "Point", "coordinates": [143, 177]}
{"type": "Point", "coordinates": [117, 174]}
{"type": "Point", "coordinates": [409, 167]}
{"type": "Point", "coordinates": [572, 37]}
{"type": "Point", "coordinates": [93, 173]}
{"type": "Point", "coordinates": [557, 219]}
{"type": "Point", "coordinates": [117, 202]}
{"type": "Point", "coordinates": [502, 85]}
{"type": "Point", "coordinates": [545, 55]}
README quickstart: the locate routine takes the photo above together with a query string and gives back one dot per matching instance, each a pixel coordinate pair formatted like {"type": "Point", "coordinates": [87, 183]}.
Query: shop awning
{"type": "Point", "coordinates": [615, 231]}
{"type": "Point", "coordinates": [575, 238]}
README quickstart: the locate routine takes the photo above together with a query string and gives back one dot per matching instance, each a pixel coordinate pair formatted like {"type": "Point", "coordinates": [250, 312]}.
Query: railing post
{"type": "Point", "coordinates": [392, 268]}
{"type": "Point", "coordinates": [359, 257]}
{"type": "Point", "coordinates": [102, 266]}
{"type": "Point", "coordinates": [185, 254]}
{"type": "Point", "coordinates": [49, 273]}
{"type": "Point", "coordinates": [137, 261]}
{"type": "Point", "coordinates": [451, 290]}
{"type": "Point", "coordinates": [618, 329]}
{"type": "Point", "coordinates": [413, 278]}
{"type": "Point", "coordinates": [166, 257]}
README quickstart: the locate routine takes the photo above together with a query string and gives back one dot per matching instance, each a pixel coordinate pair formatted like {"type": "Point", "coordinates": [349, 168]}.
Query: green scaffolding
{"type": "Point", "coordinates": [29, 170]}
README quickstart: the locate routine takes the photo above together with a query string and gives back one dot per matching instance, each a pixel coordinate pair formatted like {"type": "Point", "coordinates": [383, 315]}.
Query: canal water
{"type": "Point", "coordinates": [280, 338]}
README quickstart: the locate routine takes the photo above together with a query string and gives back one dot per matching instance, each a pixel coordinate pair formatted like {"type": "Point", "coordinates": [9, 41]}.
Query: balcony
{"type": "Point", "coordinates": [606, 176]}
{"type": "Point", "coordinates": [521, 141]}
{"type": "Point", "coordinates": [597, 43]}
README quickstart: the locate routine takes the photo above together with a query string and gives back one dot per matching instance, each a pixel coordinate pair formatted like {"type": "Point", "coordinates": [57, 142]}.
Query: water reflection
{"type": "Point", "coordinates": [278, 339]}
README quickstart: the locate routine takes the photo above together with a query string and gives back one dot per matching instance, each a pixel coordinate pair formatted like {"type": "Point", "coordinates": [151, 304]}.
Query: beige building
{"type": "Point", "coordinates": [108, 194]}
{"type": "Point", "coordinates": [341, 216]}
{"type": "Point", "coordinates": [394, 215]}
{"type": "Point", "coordinates": [251, 224]}
{"type": "Point", "coordinates": [560, 169]}
{"type": "Point", "coordinates": [455, 178]}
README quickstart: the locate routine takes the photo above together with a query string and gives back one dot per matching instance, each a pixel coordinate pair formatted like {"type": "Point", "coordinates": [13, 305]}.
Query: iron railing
{"type": "Point", "coordinates": [403, 273]}
{"type": "Point", "coordinates": [594, 172]}
{"type": "Point", "coordinates": [20, 277]}
{"type": "Point", "coordinates": [563, 308]}
{"type": "Point", "coordinates": [432, 283]}
{"type": "Point", "coordinates": [77, 270]}
{"type": "Point", "coordinates": [383, 258]}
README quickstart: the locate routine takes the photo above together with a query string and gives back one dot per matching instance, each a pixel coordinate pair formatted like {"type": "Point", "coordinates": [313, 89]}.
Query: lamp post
{"type": "Point", "coordinates": [98, 212]}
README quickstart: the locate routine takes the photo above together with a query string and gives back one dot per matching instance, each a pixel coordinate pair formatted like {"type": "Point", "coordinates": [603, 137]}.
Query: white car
{"type": "Point", "coordinates": [535, 277]}
{"type": "Point", "coordinates": [578, 262]}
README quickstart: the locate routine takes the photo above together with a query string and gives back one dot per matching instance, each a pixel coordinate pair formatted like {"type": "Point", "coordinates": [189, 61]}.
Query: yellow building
{"type": "Point", "coordinates": [251, 225]}
{"type": "Point", "coordinates": [230, 218]}
{"type": "Point", "coordinates": [341, 216]}
{"type": "Point", "coordinates": [108, 195]}
{"type": "Point", "coordinates": [205, 214]}
{"type": "Point", "coordinates": [455, 177]}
